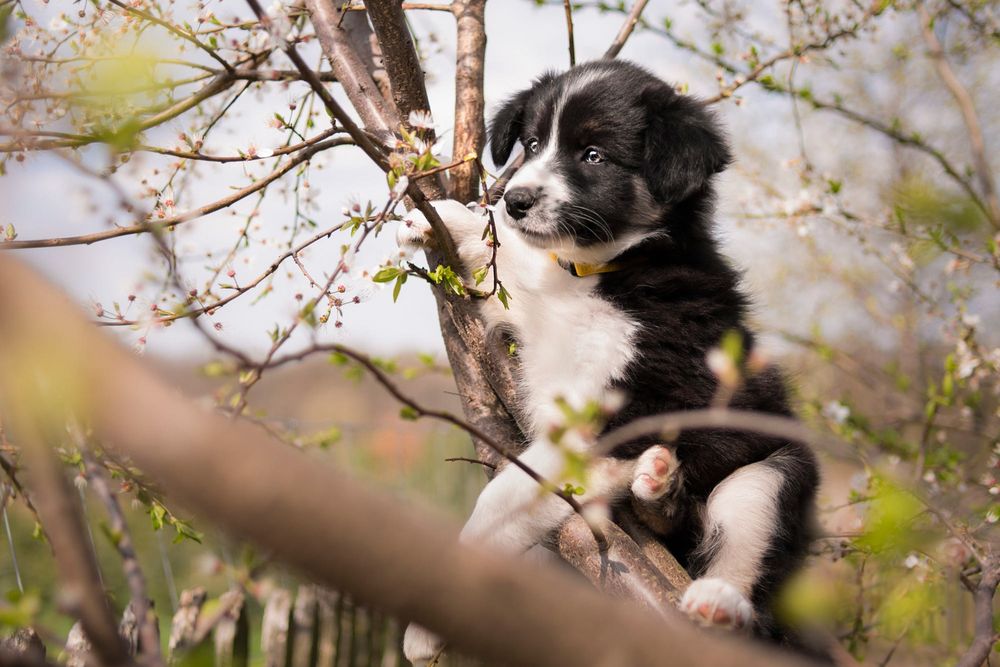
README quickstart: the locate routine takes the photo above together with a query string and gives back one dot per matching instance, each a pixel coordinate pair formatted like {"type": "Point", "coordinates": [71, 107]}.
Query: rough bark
{"type": "Point", "coordinates": [353, 71]}
{"type": "Point", "coordinates": [470, 128]}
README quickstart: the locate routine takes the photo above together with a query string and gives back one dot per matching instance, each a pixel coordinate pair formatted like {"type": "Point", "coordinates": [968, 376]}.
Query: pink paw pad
{"type": "Point", "coordinates": [717, 603]}
{"type": "Point", "coordinates": [653, 472]}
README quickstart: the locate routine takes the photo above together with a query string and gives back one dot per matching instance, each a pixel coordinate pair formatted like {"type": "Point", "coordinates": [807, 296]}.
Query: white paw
{"type": "Point", "coordinates": [414, 232]}
{"type": "Point", "coordinates": [717, 603]}
{"type": "Point", "coordinates": [654, 472]}
{"type": "Point", "coordinates": [420, 646]}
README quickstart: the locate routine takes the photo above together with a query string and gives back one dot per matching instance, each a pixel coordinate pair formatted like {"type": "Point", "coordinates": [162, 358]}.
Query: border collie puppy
{"type": "Point", "coordinates": [618, 289]}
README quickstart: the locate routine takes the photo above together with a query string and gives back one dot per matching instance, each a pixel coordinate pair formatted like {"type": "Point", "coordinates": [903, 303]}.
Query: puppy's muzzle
{"type": "Point", "coordinates": [519, 201]}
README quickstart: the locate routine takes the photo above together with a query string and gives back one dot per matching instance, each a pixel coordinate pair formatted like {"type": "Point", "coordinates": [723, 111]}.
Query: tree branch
{"type": "Point", "coordinates": [353, 74]}
{"type": "Point", "coordinates": [149, 634]}
{"type": "Point", "coordinates": [626, 30]}
{"type": "Point", "coordinates": [470, 125]}
{"type": "Point", "coordinates": [964, 100]}
{"type": "Point", "coordinates": [482, 604]}
{"type": "Point", "coordinates": [40, 427]}
{"type": "Point", "coordinates": [400, 57]}
{"type": "Point", "coordinates": [986, 635]}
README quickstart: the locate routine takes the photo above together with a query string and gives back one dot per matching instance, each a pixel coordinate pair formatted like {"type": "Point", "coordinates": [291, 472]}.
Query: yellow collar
{"type": "Point", "coordinates": [581, 270]}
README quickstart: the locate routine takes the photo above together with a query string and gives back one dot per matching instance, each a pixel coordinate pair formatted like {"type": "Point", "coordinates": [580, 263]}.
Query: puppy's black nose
{"type": "Point", "coordinates": [519, 200]}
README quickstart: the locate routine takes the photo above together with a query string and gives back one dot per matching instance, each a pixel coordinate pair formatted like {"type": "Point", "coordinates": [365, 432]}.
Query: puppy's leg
{"type": "Point", "coordinates": [514, 513]}
{"type": "Point", "coordinates": [465, 227]}
{"type": "Point", "coordinates": [741, 523]}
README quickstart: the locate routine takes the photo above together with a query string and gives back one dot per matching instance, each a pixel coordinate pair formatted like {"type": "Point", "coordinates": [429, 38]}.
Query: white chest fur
{"type": "Point", "coordinates": [572, 343]}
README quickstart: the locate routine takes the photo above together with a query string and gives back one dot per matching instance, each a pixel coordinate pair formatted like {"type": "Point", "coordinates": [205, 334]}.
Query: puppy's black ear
{"type": "Point", "coordinates": [505, 128]}
{"type": "Point", "coordinates": [684, 145]}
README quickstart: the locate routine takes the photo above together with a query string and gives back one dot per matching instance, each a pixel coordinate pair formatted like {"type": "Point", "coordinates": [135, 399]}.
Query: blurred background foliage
{"type": "Point", "coordinates": [858, 208]}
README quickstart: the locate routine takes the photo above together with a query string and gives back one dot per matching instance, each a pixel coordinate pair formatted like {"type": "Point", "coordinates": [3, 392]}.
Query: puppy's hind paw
{"type": "Point", "coordinates": [654, 473]}
{"type": "Point", "coordinates": [420, 646]}
{"type": "Point", "coordinates": [714, 602]}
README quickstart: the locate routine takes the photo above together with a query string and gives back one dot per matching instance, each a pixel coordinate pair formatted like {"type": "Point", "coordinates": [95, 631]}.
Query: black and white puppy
{"type": "Point", "coordinates": [618, 288]}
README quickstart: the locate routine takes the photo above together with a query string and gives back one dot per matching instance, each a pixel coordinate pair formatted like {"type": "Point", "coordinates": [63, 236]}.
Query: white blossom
{"type": "Point", "coordinates": [399, 189]}
{"type": "Point", "coordinates": [836, 411]}
{"type": "Point", "coordinates": [422, 120]}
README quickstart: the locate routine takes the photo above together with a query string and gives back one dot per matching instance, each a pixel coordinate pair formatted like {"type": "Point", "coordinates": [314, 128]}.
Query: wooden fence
{"type": "Point", "coordinates": [312, 628]}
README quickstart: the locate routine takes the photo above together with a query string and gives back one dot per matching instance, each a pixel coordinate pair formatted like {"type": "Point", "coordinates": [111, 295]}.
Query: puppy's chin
{"type": "Point", "coordinates": [534, 229]}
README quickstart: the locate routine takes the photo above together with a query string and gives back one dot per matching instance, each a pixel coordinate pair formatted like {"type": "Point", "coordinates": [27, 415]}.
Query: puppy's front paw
{"type": "Point", "coordinates": [654, 473]}
{"type": "Point", "coordinates": [420, 646]}
{"type": "Point", "coordinates": [414, 232]}
{"type": "Point", "coordinates": [714, 602]}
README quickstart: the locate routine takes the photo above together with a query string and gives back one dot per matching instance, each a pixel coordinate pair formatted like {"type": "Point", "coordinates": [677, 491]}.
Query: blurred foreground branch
{"type": "Point", "coordinates": [309, 516]}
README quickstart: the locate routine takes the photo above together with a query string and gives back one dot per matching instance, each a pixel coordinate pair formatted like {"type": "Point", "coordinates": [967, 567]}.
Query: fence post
{"type": "Point", "coordinates": [327, 628]}
{"type": "Point", "coordinates": [274, 628]}
{"type": "Point", "coordinates": [232, 631]}
{"type": "Point", "coordinates": [304, 628]}
{"type": "Point", "coordinates": [129, 628]}
{"type": "Point", "coordinates": [184, 625]}
{"type": "Point", "coordinates": [77, 647]}
{"type": "Point", "coordinates": [25, 645]}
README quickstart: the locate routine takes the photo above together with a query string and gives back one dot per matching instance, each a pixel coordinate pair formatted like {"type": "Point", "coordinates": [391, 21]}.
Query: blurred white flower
{"type": "Point", "coordinates": [59, 23]}
{"type": "Point", "coordinates": [911, 561]}
{"type": "Point", "coordinates": [597, 513]}
{"type": "Point", "coordinates": [836, 411]}
{"type": "Point", "coordinates": [399, 189]}
{"type": "Point", "coordinates": [612, 401]}
{"type": "Point", "coordinates": [970, 320]}
{"type": "Point", "coordinates": [902, 256]}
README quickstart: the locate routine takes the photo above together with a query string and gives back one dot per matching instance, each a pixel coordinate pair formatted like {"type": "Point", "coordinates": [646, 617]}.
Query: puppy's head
{"type": "Point", "coordinates": [609, 149]}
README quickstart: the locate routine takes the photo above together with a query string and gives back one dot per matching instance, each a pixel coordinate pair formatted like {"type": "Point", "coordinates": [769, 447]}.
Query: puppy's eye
{"type": "Point", "coordinates": [593, 156]}
{"type": "Point", "coordinates": [531, 145]}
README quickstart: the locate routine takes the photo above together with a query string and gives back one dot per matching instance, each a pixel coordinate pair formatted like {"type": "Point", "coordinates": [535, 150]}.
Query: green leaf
{"type": "Point", "coordinates": [732, 345]}
{"type": "Point", "coordinates": [479, 275]}
{"type": "Point", "coordinates": [400, 281]}
{"type": "Point", "coordinates": [9, 233]}
{"type": "Point", "coordinates": [157, 513]}
{"type": "Point", "coordinates": [504, 297]}
{"type": "Point", "coordinates": [186, 532]}
{"type": "Point", "coordinates": [308, 314]}
{"type": "Point", "coordinates": [409, 413]}
{"type": "Point", "coordinates": [387, 274]}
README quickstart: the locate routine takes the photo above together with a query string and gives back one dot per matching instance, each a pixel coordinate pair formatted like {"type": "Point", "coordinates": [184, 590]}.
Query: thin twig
{"type": "Point", "coordinates": [671, 423]}
{"type": "Point", "coordinates": [419, 410]}
{"type": "Point", "coordinates": [149, 636]}
{"type": "Point", "coordinates": [568, 8]}
{"type": "Point", "coordinates": [486, 464]}
{"type": "Point", "coordinates": [183, 34]}
{"type": "Point", "coordinates": [188, 216]}
{"type": "Point", "coordinates": [626, 30]}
